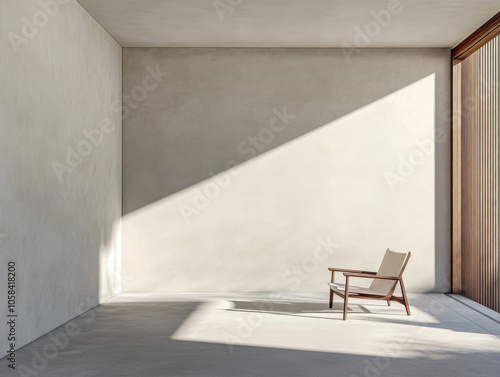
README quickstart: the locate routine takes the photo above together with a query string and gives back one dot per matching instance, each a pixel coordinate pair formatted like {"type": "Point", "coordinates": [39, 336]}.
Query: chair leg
{"type": "Point", "coordinates": [345, 307]}
{"type": "Point", "coordinates": [346, 297]}
{"type": "Point", "coordinates": [331, 290]}
{"type": "Point", "coordinates": [405, 299]}
{"type": "Point", "coordinates": [388, 302]}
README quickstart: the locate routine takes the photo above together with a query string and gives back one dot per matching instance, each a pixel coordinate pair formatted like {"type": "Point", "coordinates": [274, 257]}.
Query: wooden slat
{"type": "Point", "coordinates": [496, 211]}
{"type": "Point", "coordinates": [478, 187]}
{"type": "Point", "coordinates": [457, 192]}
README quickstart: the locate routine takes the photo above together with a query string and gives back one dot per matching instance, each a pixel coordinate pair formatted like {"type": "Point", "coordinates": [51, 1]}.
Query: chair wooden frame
{"type": "Point", "coordinates": [371, 275]}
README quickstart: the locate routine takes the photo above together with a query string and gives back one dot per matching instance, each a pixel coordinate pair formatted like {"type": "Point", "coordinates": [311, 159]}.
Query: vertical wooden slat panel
{"type": "Point", "coordinates": [479, 175]}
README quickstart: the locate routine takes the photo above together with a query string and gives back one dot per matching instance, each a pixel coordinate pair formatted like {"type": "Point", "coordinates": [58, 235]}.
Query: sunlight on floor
{"type": "Point", "coordinates": [372, 329]}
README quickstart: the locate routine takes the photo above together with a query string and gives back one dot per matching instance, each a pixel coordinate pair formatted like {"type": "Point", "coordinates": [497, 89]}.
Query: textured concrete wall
{"type": "Point", "coordinates": [256, 169]}
{"type": "Point", "coordinates": [334, 162]}
{"type": "Point", "coordinates": [60, 166]}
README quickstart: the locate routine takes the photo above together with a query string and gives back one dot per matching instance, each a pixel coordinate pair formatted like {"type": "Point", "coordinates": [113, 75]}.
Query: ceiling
{"type": "Point", "coordinates": [290, 23]}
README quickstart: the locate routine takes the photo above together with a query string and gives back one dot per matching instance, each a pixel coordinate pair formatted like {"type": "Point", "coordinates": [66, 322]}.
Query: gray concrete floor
{"type": "Point", "coordinates": [147, 334]}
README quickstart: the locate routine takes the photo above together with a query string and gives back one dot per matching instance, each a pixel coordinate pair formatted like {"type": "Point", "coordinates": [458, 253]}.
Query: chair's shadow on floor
{"type": "Point", "coordinates": [296, 308]}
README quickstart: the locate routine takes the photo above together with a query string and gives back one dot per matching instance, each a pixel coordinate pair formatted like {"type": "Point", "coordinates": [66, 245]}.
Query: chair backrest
{"type": "Point", "coordinates": [393, 264]}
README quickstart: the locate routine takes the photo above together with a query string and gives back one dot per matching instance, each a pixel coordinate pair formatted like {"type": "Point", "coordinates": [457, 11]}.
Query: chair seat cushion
{"type": "Point", "coordinates": [339, 287]}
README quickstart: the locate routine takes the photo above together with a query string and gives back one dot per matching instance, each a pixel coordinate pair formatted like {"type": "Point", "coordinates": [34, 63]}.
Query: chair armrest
{"type": "Point", "coordinates": [356, 275]}
{"type": "Point", "coordinates": [352, 271]}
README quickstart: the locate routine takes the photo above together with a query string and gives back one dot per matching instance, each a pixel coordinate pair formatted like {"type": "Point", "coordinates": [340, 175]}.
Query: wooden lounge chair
{"type": "Point", "coordinates": [383, 285]}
